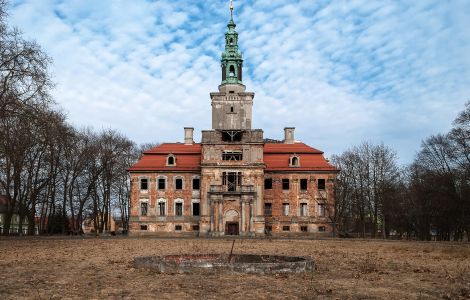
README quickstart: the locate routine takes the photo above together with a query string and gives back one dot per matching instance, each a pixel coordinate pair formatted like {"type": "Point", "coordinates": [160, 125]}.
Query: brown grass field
{"type": "Point", "coordinates": [101, 268]}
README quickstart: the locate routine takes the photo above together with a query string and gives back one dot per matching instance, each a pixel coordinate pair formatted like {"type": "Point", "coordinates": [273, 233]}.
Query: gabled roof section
{"type": "Point", "coordinates": [188, 158]}
{"type": "Point", "coordinates": [175, 148]}
{"type": "Point", "coordinates": [296, 148]}
{"type": "Point", "coordinates": [277, 158]}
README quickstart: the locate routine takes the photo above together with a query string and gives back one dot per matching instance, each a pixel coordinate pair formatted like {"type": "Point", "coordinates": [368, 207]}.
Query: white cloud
{"type": "Point", "coordinates": [341, 71]}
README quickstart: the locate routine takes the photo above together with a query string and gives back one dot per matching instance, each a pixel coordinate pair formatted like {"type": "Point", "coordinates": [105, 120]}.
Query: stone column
{"type": "Point", "coordinates": [221, 226]}
{"type": "Point", "coordinates": [243, 216]}
{"type": "Point", "coordinates": [251, 215]}
{"type": "Point", "coordinates": [212, 215]}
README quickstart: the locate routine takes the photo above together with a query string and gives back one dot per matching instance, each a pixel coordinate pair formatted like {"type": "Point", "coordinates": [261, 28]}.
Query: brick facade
{"type": "Point", "coordinates": [232, 163]}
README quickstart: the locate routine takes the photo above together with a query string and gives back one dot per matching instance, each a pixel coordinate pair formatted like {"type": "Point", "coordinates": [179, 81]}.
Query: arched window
{"type": "Point", "coordinates": [171, 160]}
{"type": "Point", "coordinates": [231, 41]}
{"type": "Point", "coordinates": [231, 71]}
{"type": "Point", "coordinates": [294, 161]}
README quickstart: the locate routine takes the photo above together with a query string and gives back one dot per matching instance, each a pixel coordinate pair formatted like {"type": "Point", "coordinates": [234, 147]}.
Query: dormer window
{"type": "Point", "coordinates": [171, 160]}
{"type": "Point", "coordinates": [294, 161]}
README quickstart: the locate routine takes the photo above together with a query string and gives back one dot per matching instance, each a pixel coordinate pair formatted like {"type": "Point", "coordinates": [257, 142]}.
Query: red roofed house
{"type": "Point", "coordinates": [234, 181]}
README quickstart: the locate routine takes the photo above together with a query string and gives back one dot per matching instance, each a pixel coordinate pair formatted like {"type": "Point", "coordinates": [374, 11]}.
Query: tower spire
{"type": "Point", "coordinates": [232, 61]}
{"type": "Point", "coordinates": [231, 10]}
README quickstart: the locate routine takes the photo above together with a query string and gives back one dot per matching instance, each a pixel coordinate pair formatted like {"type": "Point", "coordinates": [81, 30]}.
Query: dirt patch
{"type": "Point", "coordinates": [95, 268]}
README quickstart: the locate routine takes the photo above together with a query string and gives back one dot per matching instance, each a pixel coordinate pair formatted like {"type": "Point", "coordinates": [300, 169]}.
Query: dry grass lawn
{"type": "Point", "coordinates": [101, 268]}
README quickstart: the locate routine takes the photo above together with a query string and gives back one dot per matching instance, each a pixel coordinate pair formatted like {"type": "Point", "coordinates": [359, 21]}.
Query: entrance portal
{"type": "Point", "coordinates": [231, 219]}
{"type": "Point", "coordinates": [231, 228]}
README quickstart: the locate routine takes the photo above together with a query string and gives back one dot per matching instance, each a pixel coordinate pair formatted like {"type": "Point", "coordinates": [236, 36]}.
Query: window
{"type": "Point", "coordinates": [268, 183]}
{"type": "Point", "coordinates": [195, 208]}
{"type": "Point", "coordinates": [178, 209]}
{"type": "Point", "coordinates": [179, 183]}
{"type": "Point", "coordinates": [161, 208]}
{"type": "Point", "coordinates": [196, 183]}
{"type": "Point", "coordinates": [161, 183]}
{"type": "Point", "coordinates": [231, 71]}
{"type": "Point", "coordinates": [285, 228]}
{"type": "Point", "coordinates": [143, 208]}
{"type": "Point", "coordinates": [231, 181]}
{"type": "Point", "coordinates": [303, 209]}
{"type": "Point", "coordinates": [268, 209]}
{"type": "Point", "coordinates": [144, 183]}
{"type": "Point", "coordinates": [303, 228]}
{"type": "Point", "coordinates": [321, 228]}
{"type": "Point", "coordinates": [232, 155]}
{"type": "Point", "coordinates": [143, 227]}
{"type": "Point", "coordinates": [303, 184]}
{"type": "Point", "coordinates": [232, 135]}
{"type": "Point", "coordinates": [231, 109]}
{"type": "Point", "coordinates": [268, 228]}
{"type": "Point", "coordinates": [178, 227]}
{"type": "Point", "coordinates": [285, 184]}
{"type": "Point", "coordinates": [285, 209]}
{"type": "Point", "coordinates": [195, 227]}
{"type": "Point", "coordinates": [321, 209]}
{"type": "Point", "coordinates": [294, 161]}
{"type": "Point", "coordinates": [321, 184]}
{"type": "Point", "coordinates": [171, 160]}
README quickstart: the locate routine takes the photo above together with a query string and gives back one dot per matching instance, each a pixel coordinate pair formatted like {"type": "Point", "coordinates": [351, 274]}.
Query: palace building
{"type": "Point", "coordinates": [234, 182]}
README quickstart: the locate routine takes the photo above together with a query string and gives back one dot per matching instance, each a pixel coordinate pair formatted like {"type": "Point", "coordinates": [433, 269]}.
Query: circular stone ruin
{"type": "Point", "coordinates": [236, 263]}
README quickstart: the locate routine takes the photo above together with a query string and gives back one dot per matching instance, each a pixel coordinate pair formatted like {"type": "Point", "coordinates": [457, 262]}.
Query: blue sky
{"type": "Point", "coordinates": [341, 72]}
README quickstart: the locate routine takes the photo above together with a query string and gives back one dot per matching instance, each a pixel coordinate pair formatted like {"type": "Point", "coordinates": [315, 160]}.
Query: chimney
{"type": "Point", "coordinates": [289, 135]}
{"type": "Point", "coordinates": [188, 135]}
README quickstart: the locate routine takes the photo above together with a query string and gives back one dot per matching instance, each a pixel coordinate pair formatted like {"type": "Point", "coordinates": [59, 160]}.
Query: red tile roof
{"type": "Point", "coordinates": [188, 158]}
{"type": "Point", "coordinates": [290, 148]}
{"type": "Point", "coordinates": [276, 158]}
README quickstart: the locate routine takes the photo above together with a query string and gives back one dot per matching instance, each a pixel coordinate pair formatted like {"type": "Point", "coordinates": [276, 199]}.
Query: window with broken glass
{"type": "Point", "coordinates": [143, 208]}
{"type": "Point", "coordinates": [179, 209]}
{"type": "Point", "coordinates": [161, 208]}
{"type": "Point", "coordinates": [231, 181]}
{"type": "Point", "coordinates": [232, 155]}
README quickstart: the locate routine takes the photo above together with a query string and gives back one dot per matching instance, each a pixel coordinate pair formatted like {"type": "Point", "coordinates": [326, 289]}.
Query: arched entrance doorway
{"type": "Point", "coordinates": [231, 222]}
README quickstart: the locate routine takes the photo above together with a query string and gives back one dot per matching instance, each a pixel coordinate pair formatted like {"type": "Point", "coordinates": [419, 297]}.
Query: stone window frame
{"type": "Point", "coordinates": [283, 208]}
{"type": "Point", "coordinates": [322, 213]}
{"type": "Point", "coordinates": [166, 182]}
{"type": "Point", "coordinates": [143, 200]}
{"type": "Point", "coordinates": [294, 161]}
{"type": "Point", "coordinates": [191, 208]}
{"type": "Point", "coordinates": [302, 202]}
{"type": "Point", "coordinates": [192, 182]}
{"type": "Point", "coordinates": [182, 182]}
{"type": "Point", "coordinates": [140, 184]}
{"type": "Point", "coordinates": [178, 200]}
{"type": "Point", "coordinates": [171, 155]}
{"type": "Point", "coordinates": [161, 200]}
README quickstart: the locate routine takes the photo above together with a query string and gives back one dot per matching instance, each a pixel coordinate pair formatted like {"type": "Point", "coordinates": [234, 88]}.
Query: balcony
{"type": "Point", "coordinates": [232, 189]}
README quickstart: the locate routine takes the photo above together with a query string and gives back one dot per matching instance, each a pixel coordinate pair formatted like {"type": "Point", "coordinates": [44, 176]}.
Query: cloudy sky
{"type": "Point", "coordinates": [341, 72]}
